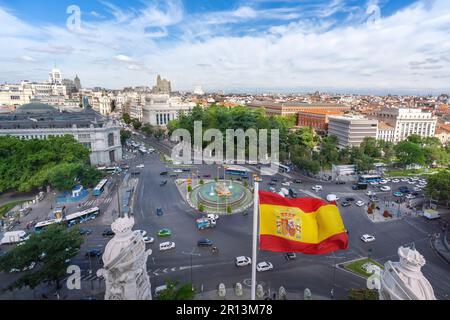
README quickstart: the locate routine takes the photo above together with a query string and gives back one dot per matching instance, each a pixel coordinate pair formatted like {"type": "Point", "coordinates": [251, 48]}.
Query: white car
{"type": "Point", "coordinates": [243, 261]}
{"type": "Point", "coordinates": [367, 238]}
{"type": "Point", "coordinates": [264, 266]}
{"type": "Point", "coordinates": [404, 180]}
{"type": "Point", "coordinates": [370, 193]}
{"type": "Point", "coordinates": [317, 188]}
{"type": "Point", "coordinates": [383, 181]}
{"type": "Point", "coordinates": [166, 246]}
{"type": "Point", "coordinates": [286, 184]}
{"type": "Point", "coordinates": [213, 216]}
{"type": "Point", "coordinates": [148, 240]}
{"type": "Point", "coordinates": [178, 171]}
{"type": "Point", "coordinates": [411, 182]}
{"type": "Point", "coordinates": [141, 166]}
{"type": "Point", "coordinates": [395, 180]}
{"type": "Point", "coordinates": [373, 183]}
{"type": "Point", "coordinates": [332, 197]}
{"type": "Point", "coordinates": [410, 196]}
{"type": "Point", "coordinates": [417, 188]}
{"type": "Point", "coordinates": [359, 203]}
{"type": "Point", "coordinates": [385, 188]}
{"type": "Point", "coordinates": [142, 232]}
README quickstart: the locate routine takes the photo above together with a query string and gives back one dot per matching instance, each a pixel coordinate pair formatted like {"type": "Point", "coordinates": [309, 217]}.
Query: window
{"type": "Point", "coordinates": [110, 139]}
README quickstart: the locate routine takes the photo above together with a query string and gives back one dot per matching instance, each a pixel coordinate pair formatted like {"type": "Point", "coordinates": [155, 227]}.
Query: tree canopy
{"type": "Point", "coordinates": [438, 186]}
{"type": "Point", "coordinates": [60, 162]}
{"type": "Point", "coordinates": [51, 251]}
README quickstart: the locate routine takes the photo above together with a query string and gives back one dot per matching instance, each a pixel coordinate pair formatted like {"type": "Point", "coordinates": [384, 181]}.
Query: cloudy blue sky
{"type": "Point", "coordinates": [350, 45]}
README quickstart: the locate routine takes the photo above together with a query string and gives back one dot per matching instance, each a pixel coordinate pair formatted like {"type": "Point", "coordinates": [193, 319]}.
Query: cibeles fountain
{"type": "Point", "coordinates": [404, 280]}
{"type": "Point", "coordinates": [124, 264]}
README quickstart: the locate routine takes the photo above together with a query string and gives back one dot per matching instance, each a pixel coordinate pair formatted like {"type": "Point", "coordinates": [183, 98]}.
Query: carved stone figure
{"type": "Point", "coordinates": [125, 261]}
{"type": "Point", "coordinates": [404, 280]}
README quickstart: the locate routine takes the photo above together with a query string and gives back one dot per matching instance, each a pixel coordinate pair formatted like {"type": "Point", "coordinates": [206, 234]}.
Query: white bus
{"type": "Point", "coordinates": [283, 168]}
{"type": "Point", "coordinates": [98, 190]}
{"type": "Point", "coordinates": [82, 216]}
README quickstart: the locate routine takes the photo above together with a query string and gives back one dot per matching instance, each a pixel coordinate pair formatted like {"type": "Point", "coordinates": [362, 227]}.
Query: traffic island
{"type": "Point", "coordinates": [362, 267]}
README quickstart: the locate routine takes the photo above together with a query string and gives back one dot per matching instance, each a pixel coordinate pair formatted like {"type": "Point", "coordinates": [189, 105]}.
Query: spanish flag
{"type": "Point", "coordinates": [309, 225]}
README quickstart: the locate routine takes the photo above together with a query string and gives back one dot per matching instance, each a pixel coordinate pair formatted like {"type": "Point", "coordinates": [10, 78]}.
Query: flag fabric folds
{"type": "Point", "coordinates": [307, 225]}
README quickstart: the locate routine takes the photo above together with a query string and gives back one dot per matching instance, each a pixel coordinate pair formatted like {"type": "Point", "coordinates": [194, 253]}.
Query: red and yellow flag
{"type": "Point", "coordinates": [308, 225]}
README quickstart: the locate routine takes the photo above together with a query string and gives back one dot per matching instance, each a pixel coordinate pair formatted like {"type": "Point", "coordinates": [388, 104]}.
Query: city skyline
{"type": "Point", "coordinates": [378, 47]}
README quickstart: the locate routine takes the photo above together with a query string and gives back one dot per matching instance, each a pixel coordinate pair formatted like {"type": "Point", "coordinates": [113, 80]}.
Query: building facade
{"type": "Point", "coordinates": [160, 109]}
{"type": "Point", "coordinates": [318, 120]}
{"type": "Point", "coordinates": [293, 108]}
{"type": "Point", "coordinates": [351, 130]}
{"type": "Point", "coordinates": [38, 121]}
{"type": "Point", "coordinates": [404, 122]}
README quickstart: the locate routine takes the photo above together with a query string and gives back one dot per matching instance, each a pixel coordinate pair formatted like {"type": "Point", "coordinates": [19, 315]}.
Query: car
{"type": "Point", "coordinates": [272, 189]}
{"type": "Point", "coordinates": [385, 188]}
{"type": "Point", "coordinates": [417, 188]}
{"type": "Point", "coordinates": [349, 199]}
{"type": "Point", "coordinates": [204, 243]}
{"type": "Point", "coordinates": [395, 180]}
{"type": "Point", "coordinates": [403, 189]}
{"type": "Point", "coordinates": [271, 183]}
{"type": "Point", "coordinates": [290, 256]}
{"type": "Point", "coordinates": [159, 212]}
{"type": "Point", "coordinates": [297, 181]}
{"type": "Point", "coordinates": [206, 176]}
{"type": "Point", "coordinates": [93, 253]}
{"type": "Point", "coordinates": [340, 182]}
{"type": "Point", "coordinates": [274, 179]}
{"type": "Point", "coordinates": [84, 231]}
{"type": "Point", "coordinates": [373, 183]}
{"type": "Point", "coordinates": [166, 246]}
{"type": "Point", "coordinates": [370, 193]}
{"type": "Point", "coordinates": [374, 199]}
{"type": "Point", "coordinates": [186, 170]}
{"type": "Point", "coordinates": [410, 196]}
{"type": "Point", "coordinates": [345, 204]}
{"type": "Point", "coordinates": [398, 194]}
{"type": "Point", "coordinates": [286, 184]}
{"type": "Point", "coordinates": [164, 233]}
{"type": "Point", "coordinates": [383, 181]}
{"type": "Point", "coordinates": [141, 166]}
{"type": "Point", "coordinates": [243, 261]}
{"type": "Point", "coordinates": [173, 175]}
{"type": "Point", "coordinates": [178, 171]}
{"type": "Point", "coordinates": [317, 188]}
{"type": "Point", "coordinates": [159, 290]}
{"type": "Point", "coordinates": [359, 203]}
{"type": "Point", "coordinates": [108, 233]}
{"type": "Point", "coordinates": [404, 180]}
{"type": "Point", "coordinates": [411, 182]}
{"type": "Point", "coordinates": [213, 216]}
{"type": "Point", "coordinates": [164, 173]}
{"type": "Point", "coordinates": [367, 238]}
{"type": "Point", "coordinates": [415, 193]}
{"type": "Point", "coordinates": [142, 232]}
{"type": "Point", "coordinates": [163, 183]}
{"type": "Point", "coordinates": [264, 266]}
{"type": "Point", "coordinates": [148, 240]}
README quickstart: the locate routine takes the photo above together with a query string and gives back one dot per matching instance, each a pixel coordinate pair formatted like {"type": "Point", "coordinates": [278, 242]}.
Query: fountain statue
{"type": "Point", "coordinates": [125, 261]}
{"type": "Point", "coordinates": [222, 189]}
{"type": "Point", "coordinates": [404, 280]}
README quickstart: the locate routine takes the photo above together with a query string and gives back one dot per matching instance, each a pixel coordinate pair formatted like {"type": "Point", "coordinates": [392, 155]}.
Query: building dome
{"type": "Point", "coordinates": [35, 108]}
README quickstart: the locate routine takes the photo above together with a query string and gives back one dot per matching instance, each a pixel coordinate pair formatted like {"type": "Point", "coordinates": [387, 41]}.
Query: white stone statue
{"type": "Point", "coordinates": [282, 293]}
{"type": "Point", "coordinates": [125, 264]}
{"type": "Point", "coordinates": [222, 291]}
{"type": "Point", "coordinates": [404, 280]}
{"type": "Point", "coordinates": [259, 291]}
{"type": "Point", "coordinates": [238, 290]}
{"type": "Point", "coordinates": [307, 295]}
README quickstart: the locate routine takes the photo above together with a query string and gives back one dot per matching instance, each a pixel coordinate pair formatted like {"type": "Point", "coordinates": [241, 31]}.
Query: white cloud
{"type": "Point", "coordinates": [293, 53]}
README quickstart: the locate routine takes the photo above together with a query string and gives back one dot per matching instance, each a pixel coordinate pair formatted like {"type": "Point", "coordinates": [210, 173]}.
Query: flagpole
{"type": "Point", "coordinates": [255, 237]}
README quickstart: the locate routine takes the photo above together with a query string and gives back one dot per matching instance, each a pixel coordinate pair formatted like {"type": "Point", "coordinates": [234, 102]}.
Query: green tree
{"type": "Point", "coordinates": [136, 124]}
{"type": "Point", "coordinates": [124, 136]}
{"type": "Point", "coordinates": [51, 250]}
{"type": "Point", "coordinates": [408, 153]}
{"type": "Point", "coordinates": [329, 153]}
{"type": "Point", "coordinates": [359, 158]}
{"type": "Point", "coordinates": [438, 187]}
{"type": "Point", "coordinates": [415, 138]}
{"type": "Point", "coordinates": [147, 129]}
{"type": "Point", "coordinates": [370, 147]}
{"type": "Point", "coordinates": [175, 291]}
{"type": "Point", "coordinates": [126, 118]}
{"type": "Point", "coordinates": [363, 294]}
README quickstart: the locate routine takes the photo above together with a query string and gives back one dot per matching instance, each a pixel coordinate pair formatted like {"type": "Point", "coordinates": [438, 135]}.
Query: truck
{"type": "Point", "coordinates": [431, 214]}
{"type": "Point", "coordinates": [14, 237]}
{"type": "Point", "coordinates": [205, 223]}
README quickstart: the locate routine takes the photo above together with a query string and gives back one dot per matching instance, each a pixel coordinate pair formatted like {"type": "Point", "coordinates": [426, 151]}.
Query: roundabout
{"type": "Point", "coordinates": [221, 197]}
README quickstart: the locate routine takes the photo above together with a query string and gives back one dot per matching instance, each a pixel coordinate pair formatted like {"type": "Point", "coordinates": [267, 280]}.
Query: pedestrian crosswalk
{"type": "Point", "coordinates": [96, 202]}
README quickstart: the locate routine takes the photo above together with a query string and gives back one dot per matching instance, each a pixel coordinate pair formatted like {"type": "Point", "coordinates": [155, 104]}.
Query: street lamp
{"type": "Point", "coordinates": [191, 254]}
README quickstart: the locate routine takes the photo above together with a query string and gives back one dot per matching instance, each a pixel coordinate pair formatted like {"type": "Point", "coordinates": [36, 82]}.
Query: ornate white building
{"type": "Point", "coordinates": [159, 109]}
{"type": "Point", "coordinates": [404, 280]}
{"type": "Point", "coordinates": [125, 264]}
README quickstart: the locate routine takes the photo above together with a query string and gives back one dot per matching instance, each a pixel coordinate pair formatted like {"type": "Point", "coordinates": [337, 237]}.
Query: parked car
{"type": "Point", "coordinates": [340, 182]}
{"type": "Point", "coordinates": [410, 196]}
{"type": "Point", "coordinates": [317, 188]}
{"type": "Point", "coordinates": [141, 166]}
{"type": "Point", "coordinates": [159, 212]}
{"type": "Point", "coordinates": [163, 183]}
{"type": "Point", "coordinates": [243, 261]}
{"type": "Point", "coordinates": [349, 199]}
{"type": "Point", "coordinates": [264, 266]}
{"type": "Point", "coordinates": [298, 181]}
{"type": "Point", "coordinates": [178, 171]}
{"type": "Point", "coordinates": [395, 180]}
{"type": "Point", "coordinates": [359, 203]}
{"type": "Point", "coordinates": [108, 233]}
{"type": "Point", "coordinates": [385, 188]}
{"type": "Point", "coordinates": [345, 204]}
{"type": "Point", "coordinates": [166, 246]}
{"type": "Point", "coordinates": [204, 243]}
{"type": "Point", "coordinates": [398, 194]}
{"type": "Point", "coordinates": [286, 184]}
{"type": "Point", "coordinates": [142, 232]}
{"type": "Point", "coordinates": [84, 231]}
{"type": "Point", "coordinates": [367, 238]}
{"type": "Point", "coordinates": [164, 173]}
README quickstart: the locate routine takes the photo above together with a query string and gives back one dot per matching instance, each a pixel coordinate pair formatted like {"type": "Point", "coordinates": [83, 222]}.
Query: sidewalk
{"type": "Point", "coordinates": [442, 247]}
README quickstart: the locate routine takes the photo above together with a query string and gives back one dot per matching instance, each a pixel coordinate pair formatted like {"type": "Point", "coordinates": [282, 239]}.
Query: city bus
{"type": "Point", "coordinates": [109, 169]}
{"type": "Point", "coordinates": [367, 178]}
{"type": "Point", "coordinates": [283, 168]}
{"type": "Point", "coordinates": [82, 216]}
{"type": "Point", "coordinates": [237, 171]}
{"type": "Point", "coordinates": [98, 190]}
{"type": "Point", "coordinates": [44, 224]}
